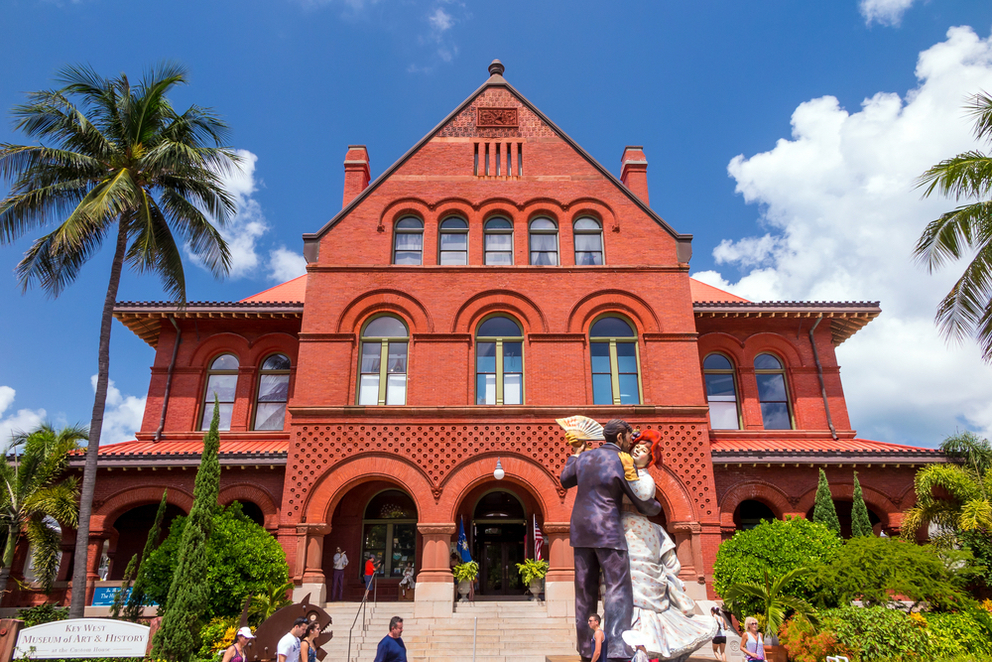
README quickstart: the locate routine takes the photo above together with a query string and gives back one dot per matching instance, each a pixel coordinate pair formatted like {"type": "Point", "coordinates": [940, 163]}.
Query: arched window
{"type": "Point", "coordinates": [721, 392]}
{"type": "Point", "coordinates": [499, 242]}
{"type": "Point", "coordinates": [453, 245]}
{"type": "Point", "coordinates": [408, 241]}
{"type": "Point", "coordinates": [499, 362]}
{"type": "Point", "coordinates": [390, 532]}
{"type": "Point", "coordinates": [383, 362]}
{"type": "Point", "coordinates": [273, 393]}
{"type": "Point", "coordinates": [222, 381]}
{"type": "Point", "coordinates": [588, 241]}
{"type": "Point", "coordinates": [543, 242]}
{"type": "Point", "coordinates": [772, 392]}
{"type": "Point", "coordinates": [615, 379]}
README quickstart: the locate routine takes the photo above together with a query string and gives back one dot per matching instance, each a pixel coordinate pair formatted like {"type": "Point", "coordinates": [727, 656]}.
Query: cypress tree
{"type": "Point", "coordinates": [824, 511]}
{"type": "Point", "coordinates": [136, 600]}
{"type": "Point", "coordinates": [178, 637]}
{"type": "Point", "coordinates": [115, 609]}
{"type": "Point", "coordinates": [860, 524]}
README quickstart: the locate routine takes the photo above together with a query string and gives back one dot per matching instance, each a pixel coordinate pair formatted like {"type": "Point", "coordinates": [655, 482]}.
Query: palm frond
{"type": "Point", "coordinates": [976, 514]}
{"type": "Point", "coordinates": [954, 235]}
{"type": "Point", "coordinates": [980, 108]}
{"type": "Point", "coordinates": [967, 175]}
{"type": "Point", "coordinates": [46, 546]}
{"type": "Point", "coordinates": [960, 312]}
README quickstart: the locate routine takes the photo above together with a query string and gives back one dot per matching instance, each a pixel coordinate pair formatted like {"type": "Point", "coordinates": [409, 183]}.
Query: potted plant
{"type": "Point", "coordinates": [465, 574]}
{"type": "Point", "coordinates": [532, 573]}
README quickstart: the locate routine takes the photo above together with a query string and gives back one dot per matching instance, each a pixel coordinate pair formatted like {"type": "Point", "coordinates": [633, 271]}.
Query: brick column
{"type": "Point", "coordinates": [559, 584]}
{"type": "Point", "coordinates": [93, 554]}
{"type": "Point", "coordinates": [434, 596]}
{"type": "Point", "coordinates": [311, 540]}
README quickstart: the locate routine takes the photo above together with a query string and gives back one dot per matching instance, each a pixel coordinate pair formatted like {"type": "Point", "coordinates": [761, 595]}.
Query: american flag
{"type": "Point", "coordinates": [538, 541]}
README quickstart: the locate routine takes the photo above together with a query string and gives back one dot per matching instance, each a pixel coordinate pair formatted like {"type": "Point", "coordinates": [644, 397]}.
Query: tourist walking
{"type": "Point", "coordinates": [598, 639]}
{"type": "Point", "coordinates": [308, 645]}
{"type": "Point", "coordinates": [288, 649]}
{"type": "Point", "coordinates": [236, 651]}
{"type": "Point", "coordinates": [752, 644]}
{"type": "Point", "coordinates": [391, 648]}
{"type": "Point", "coordinates": [337, 578]}
{"type": "Point", "coordinates": [720, 639]}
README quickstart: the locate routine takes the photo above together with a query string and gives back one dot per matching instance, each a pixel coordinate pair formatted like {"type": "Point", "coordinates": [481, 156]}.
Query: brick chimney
{"type": "Point", "coordinates": [356, 172]}
{"type": "Point", "coordinates": [634, 171]}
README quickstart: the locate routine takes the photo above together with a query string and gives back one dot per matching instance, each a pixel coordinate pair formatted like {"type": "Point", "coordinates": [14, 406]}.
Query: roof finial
{"type": "Point", "coordinates": [496, 68]}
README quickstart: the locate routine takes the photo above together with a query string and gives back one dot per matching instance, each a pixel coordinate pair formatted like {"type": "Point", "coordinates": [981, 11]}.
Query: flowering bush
{"type": "Point", "coordinates": [877, 633]}
{"type": "Point", "coordinates": [966, 632]}
{"type": "Point", "coordinates": [805, 644]}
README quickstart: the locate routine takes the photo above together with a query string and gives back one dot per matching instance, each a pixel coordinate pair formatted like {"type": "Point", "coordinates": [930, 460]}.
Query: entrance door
{"type": "Point", "coordinates": [500, 548]}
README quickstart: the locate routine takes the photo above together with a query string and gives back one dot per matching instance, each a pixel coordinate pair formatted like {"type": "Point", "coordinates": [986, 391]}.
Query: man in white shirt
{"type": "Point", "coordinates": [337, 583]}
{"type": "Point", "coordinates": [288, 649]}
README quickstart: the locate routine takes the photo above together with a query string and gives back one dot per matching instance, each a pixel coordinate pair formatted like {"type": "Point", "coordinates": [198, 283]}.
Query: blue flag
{"type": "Point", "coordinates": [463, 542]}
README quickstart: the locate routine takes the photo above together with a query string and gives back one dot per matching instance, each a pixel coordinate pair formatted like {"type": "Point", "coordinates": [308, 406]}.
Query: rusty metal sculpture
{"type": "Point", "coordinates": [268, 634]}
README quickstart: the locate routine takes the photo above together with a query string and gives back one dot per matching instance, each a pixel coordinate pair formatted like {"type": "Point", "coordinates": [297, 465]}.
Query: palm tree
{"type": "Point", "coordinates": [775, 603]}
{"type": "Point", "coordinates": [954, 496]}
{"type": "Point", "coordinates": [118, 158]}
{"type": "Point", "coordinates": [36, 498]}
{"type": "Point", "coordinates": [965, 231]}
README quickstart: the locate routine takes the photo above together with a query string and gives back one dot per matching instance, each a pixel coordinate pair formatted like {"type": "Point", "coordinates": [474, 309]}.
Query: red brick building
{"type": "Point", "coordinates": [492, 279]}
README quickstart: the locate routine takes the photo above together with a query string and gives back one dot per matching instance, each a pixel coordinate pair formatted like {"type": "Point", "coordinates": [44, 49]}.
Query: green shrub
{"type": "Point", "coordinates": [777, 546]}
{"type": "Point", "coordinates": [873, 570]}
{"type": "Point", "coordinates": [45, 613]}
{"type": "Point", "coordinates": [959, 634]}
{"type": "Point", "coordinates": [877, 633]}
{"type": "Point", "coordinates": [243, 558]}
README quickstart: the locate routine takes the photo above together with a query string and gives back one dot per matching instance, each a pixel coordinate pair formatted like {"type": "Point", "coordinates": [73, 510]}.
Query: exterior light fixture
{"type": "Point", "coordinates": [498, 473]}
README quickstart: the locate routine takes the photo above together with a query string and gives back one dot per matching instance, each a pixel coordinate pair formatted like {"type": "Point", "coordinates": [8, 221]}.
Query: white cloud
{"type": "Point", "coordinates": [440, 20]}
{"type": "Point", "coordinates": [884, 12]}
{"type": "Point", "coordinates": [285, 265]}
{"type": "Point", "coordinates": [121, 416]}
{"type": "Point", "coordinates": [22, 420]}
{"type": "Point", "coordinates": [840, 201]}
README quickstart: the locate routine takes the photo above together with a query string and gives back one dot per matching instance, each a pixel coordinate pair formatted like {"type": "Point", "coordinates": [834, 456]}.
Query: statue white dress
{"type": "Point", "coordinates": [662, 610]}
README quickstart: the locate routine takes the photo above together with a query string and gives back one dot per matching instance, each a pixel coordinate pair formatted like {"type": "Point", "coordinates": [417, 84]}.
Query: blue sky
{"type": "Point", "coordinates": [784, 135]}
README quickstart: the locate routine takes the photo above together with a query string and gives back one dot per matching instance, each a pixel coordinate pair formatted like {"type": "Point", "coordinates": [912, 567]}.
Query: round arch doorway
{"type": "Point", "coordinates": [499, 523]}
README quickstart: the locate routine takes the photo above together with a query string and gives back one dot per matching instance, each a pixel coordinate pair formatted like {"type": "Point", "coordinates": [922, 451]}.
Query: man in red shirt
{"type": "Point", "coordinates": [370, 568]}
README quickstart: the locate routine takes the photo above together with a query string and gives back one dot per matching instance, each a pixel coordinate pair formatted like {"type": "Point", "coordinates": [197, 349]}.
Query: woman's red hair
{"type": "Point", "coordinates": [653, 440]}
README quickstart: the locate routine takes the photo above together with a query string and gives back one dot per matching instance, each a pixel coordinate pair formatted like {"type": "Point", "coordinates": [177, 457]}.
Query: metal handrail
{"type": "Point", "coordinates": [365, 613]}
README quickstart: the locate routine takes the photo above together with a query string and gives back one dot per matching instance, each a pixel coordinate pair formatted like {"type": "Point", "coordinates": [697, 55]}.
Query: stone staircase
{"type": "Point", "coordinates": [504, 632]}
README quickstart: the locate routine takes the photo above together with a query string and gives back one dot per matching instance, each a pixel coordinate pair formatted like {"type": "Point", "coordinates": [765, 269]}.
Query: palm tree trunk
{"type": "Point", "coordinates": [8, 558]}
{"type": "Point", "coordinates": [80, 556]}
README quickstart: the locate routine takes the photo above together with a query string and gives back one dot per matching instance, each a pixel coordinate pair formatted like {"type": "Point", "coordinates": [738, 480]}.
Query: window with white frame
{"type": "Point", "coordinates": [499, 242]}
{"type": "Point", "coordinates": [453, 242]}
{"type": "Point", "coordinates": [273, 393]}
{"type": "Point", "coordinates": [773, 394]}
{"type": "Point", "coordinates": [588, 233]}
{"type": "Point", "coordinates": [721, 392]}
{"type": "Point", "coordinates": [408, 241]}
{"type": "Point", "coordinates": [543, 242]}
{"type": "Point", "coordinates": [499, 362]}
{"type": "Point", "coordinates": [382, 378]}
{"type": "Point", "coordinates": [613, 348]}
{"type": "Point", "coordinates": [222, 385]}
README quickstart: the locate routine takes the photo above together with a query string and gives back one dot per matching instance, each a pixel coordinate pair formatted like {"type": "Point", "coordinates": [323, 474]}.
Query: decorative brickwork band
{"type": "Point", "coordinates": [496, 117]}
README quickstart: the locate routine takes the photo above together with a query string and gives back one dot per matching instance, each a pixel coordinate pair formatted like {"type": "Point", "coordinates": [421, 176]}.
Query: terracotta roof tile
{"type": "Point", "coordinates": [700, 291]}
{"type": "Point", "coordinates": [291, 290]}
{"type": "Point", "coordinates": [272, 451]}
{"type": "Point", "coordinates": [840, 450]}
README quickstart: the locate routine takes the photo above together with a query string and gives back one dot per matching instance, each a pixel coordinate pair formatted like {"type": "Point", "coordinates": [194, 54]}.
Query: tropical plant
{"type": "Point", "coordinates": [39, 614]}
{"type": "Point", "coordinates": [35, 498]}
{"type": "Point", "coordinates": [532, 569]}
{"type": "Point", "coordinates": [860, 522]}
{"type": "Point", "coordinates": [269, 601]}
{"type": "Point", "coordinates": [775, 603]}
{"type": "Point", "coordinates": [120, 598]}
{"type": "Point", "coordinates": [777, 546]}
{"type": "Point", "coordinates": [824, 509]}
{"type": "Point", "coordinates": [964, 232]}
{"type": "Point", "coordinates": [954, 496]}
{"type": "Point", "coordinates": [114, 158]}
{"type": "Point", "coordinates": [888, 572]}
{"type": "Point", "coordinates": [189, 593]}
{"type": "Point", "coordinates": [466, 572]}
{"type": "Point", "coordinates": [806, 643]}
